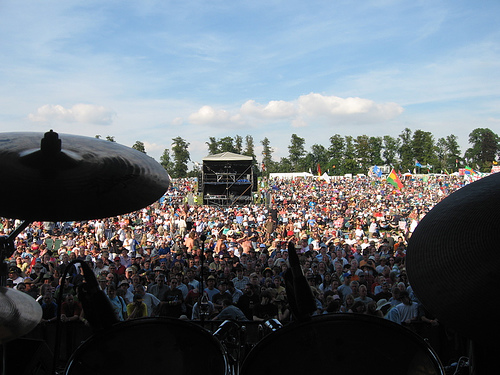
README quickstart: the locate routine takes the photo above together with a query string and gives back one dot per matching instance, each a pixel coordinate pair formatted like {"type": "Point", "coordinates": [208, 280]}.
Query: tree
{"type": "Point", "coordinates": [363, 157]}
{"type": "Point", "coordinates": [485, 147]}
{"type": "Point", "coordinates": [249, 147]}
{"type": "Point", "coordinates": [453, 150]}
{"type": "Point", "coordinates": [448, 152]}
{"type": "Point", "coordinates": [250, 151]}
{"type": "Point", "coordinates": [226, 144]}
{"type": "Point", "coordinates": [318, 155]}
{"type": "Point", "coordinates": [181, 157]}
{"type": "Point", "coordinates": [267, 156]}
{"type": "Point", "coordinates": [139, 146]}
{"type": "Point", "coordinates": [390, 149]}
{"type": "Point", "coordinates": [349, 163]}
{"type": "Point", "coordinates": [405, 150]}
{"type": "Point", "coordinates": [284, 166]}
{"type": "Point", "coordinates": [213, 146]}
{"type": "Point", "coordinates": [238, 144]}
{"type": "Point", "coordinates": [165, 160]}
{"type": "Point", "coordinates": [296, 152]}
{"type": "Point", "coordinates": [375, 146]}
{"type": "Point", "coordinates": [336, 152]}
{"type": "Point", "coordinates": [424, 148]}
{"type": "Point", "coordinates": [110, 138]}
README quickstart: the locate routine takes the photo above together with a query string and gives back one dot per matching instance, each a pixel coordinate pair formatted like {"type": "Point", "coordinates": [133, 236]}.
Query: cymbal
{"type": "Point", "coordinates": [52, 177]}
{"type": "Point", "coordinates": [452, 259]}
{"type": "Point", "coordinates": [19, 314]}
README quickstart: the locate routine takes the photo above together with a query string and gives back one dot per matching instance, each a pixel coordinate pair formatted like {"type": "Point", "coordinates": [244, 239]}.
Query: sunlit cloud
{"type": "Point", "coordinates": [79, 113]}
{"type": "Point", "coordinates": [300, 112]}
{"type": "Point", "coordinates": [208, 115]}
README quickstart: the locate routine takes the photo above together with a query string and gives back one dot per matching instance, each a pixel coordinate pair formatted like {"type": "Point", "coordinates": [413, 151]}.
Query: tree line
{"type": "Point", "coordinates": [347, 154]}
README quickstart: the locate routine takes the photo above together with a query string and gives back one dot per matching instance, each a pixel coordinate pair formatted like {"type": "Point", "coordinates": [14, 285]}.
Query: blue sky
{"type": "Point", "coordinates": [155, 70]}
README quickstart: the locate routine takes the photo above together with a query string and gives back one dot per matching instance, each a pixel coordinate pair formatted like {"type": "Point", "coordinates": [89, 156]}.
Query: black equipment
{"type": "Point", "coordinates": [452, 263]}
{"type": "Point", "coordinates": [335, 344]}
{"type": "Point", "coordinates": [174, 347]}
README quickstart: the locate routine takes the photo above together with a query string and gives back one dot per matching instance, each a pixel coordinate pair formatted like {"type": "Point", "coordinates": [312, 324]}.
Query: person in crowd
{"type": "Point", "coordinates": [172, 302]}
{"type": "Point", "coordinates": [230, 311]}
{"type": "Point", "coordinates": [118, 303]}
{"type": "Point", "coordinates": [137, 308]}
{"type": "Point", "coordinates": [71, 310]}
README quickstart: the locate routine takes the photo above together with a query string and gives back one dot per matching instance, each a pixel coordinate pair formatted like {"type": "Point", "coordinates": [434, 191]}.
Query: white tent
{"type": "Point", "coordinates": [290, 175]}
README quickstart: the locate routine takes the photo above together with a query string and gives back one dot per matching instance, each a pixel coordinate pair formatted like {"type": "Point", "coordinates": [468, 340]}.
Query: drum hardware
{"type": "Point", "coordinates": [174, 347]}
{"type": "Point", "coordinates": [273, 325]}
{"type": "Point", "coordinates": [203, 299]}
{"type": "Point", "coordinates": [451, 257]}
{"type": "Point", "coordinates": [71, 178]}
{"type": "Point", "coordinates": [19, 312]}
{"type": "Point", "coordinates": [268, 327]}
{"type": "Point", "coordinates": [330, 344]}
{"type": "Point", "coordinates": [229, 335]}
{"type": "Point", "coordinates": [63, 177]}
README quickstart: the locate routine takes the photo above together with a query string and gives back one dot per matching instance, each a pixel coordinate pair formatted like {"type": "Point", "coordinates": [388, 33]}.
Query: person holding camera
{"type": "Point", "coordinates": [137, 308]}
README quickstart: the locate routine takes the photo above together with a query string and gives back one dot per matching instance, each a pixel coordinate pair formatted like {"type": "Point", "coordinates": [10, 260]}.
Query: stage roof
{"type": "Point", "coordinates": [227, 156]}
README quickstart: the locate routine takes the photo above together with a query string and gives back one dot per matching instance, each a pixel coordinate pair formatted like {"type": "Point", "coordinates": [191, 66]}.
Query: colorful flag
{"type": "Point", "coordinates": [418, 164]}
{"type": "Point", "coordinates": [394, 180]}
{"type": "Point", "coordinates": [319, 170]}
{"type": "Point", "coordinates": [376, 171]}
{"type": "Point", "coordinates": [469, 170]}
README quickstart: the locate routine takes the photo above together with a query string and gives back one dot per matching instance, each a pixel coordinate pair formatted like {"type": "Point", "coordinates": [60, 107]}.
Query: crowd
{"type": "Point", "coordinates": [195, 262]}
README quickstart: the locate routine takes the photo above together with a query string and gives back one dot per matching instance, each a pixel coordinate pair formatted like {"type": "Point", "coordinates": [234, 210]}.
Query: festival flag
{"type": "Point", "coordinates": [418, 164]}
{"type": "Point", "coordinates": [376, 171]}
{"type": "Point", "coordinates": [469, 170]}
{"type": "Point", "coordinates": [319, 170]}
{"type": "Point", "coordinates": [394, 180]}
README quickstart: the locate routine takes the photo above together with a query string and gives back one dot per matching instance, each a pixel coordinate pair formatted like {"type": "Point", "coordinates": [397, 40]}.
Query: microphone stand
{"type": "Point", "coordinates": [201, 307]}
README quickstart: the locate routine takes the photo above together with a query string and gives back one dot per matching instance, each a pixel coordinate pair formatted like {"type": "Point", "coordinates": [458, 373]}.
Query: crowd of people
{"type": "Point", "coordinates": [193, 262]}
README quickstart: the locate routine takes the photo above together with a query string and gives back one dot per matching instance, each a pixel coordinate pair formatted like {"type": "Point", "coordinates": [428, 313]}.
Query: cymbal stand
{"type": "Point", "coordinates": [202, 304]}
{"type": "Point", "coordinates": [7, 248]}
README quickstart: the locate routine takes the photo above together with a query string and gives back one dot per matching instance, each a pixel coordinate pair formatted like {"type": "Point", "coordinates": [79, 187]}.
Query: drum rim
{"type": "Point", "coordinates": [250, 357]}
{"type": "Point", "coordinates": [164, 321]}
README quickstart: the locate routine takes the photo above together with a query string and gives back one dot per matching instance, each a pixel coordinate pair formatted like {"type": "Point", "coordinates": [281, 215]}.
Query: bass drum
{"type": "Point", "coordinates": [342, 344]}
{"type": "Point", "coordinates": [150, 346]}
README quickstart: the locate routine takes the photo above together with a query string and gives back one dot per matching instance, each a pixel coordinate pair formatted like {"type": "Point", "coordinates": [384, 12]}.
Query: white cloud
{"type": "Point", "coordinates": [333, 106]}
{"type": "Point", "coordinates": [301, 112]}
{"type": "Point", "coordinates": [153, 147]}
{"type": "Point", "coordinates": [178, 121]}
{"type": "Point", "coordinates": [210, 116]}
{"type": "Point", "coordinates": [80, 113]}
{"type": "Point", "coordinates": [275, 109]}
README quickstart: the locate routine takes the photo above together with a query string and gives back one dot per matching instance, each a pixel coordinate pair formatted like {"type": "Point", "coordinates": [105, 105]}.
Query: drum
{"type": "Point", "coordinates": [342, 344]}
{"type": "Point", "coordinates": [150, 346]}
